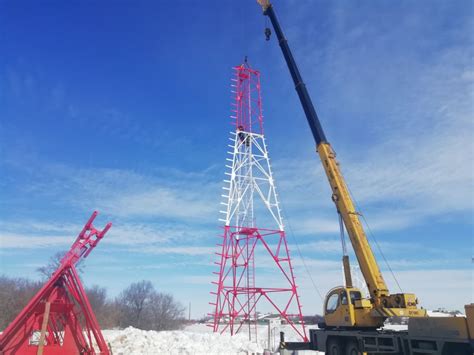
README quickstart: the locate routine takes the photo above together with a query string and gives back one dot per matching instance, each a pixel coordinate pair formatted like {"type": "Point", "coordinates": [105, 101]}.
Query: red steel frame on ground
{"type": "Point", "coordinates": [59, 318]}
{"type": "Point", "coordinates": [239, 289]}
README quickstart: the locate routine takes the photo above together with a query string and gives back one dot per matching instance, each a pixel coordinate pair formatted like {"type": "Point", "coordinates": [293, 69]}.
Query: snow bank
{"type": "Point", "coordinates": [136, 341]}
{"type": "Point", "coordinates": [199, 339]}
{"type": "Point", "coordinates": [193, 340]}
{"type": "Point", "coordinates": [442, 314]}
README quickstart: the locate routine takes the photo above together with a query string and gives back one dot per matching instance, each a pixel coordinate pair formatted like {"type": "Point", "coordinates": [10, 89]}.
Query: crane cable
{"type": "Point", "coordinates": [299, 252]}
{"type": "Point", "coordinates": [267, 33]}
{"type": "Point", "coordinates": [381, 252]}
{"type": "Point", "coordinates": [372, 235]}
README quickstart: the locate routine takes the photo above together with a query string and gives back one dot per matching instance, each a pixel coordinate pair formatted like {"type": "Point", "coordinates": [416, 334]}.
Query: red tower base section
{"type": "Point", "coordinates": [59, 318]}
{"type": "Point", "coordinates": [238, 292]}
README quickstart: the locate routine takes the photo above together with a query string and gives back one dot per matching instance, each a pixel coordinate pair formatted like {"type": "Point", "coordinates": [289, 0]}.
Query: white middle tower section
{"type": "Point", "coordinates": [249, 173]}
{"type": "Point", "coordinates": [249, 178]}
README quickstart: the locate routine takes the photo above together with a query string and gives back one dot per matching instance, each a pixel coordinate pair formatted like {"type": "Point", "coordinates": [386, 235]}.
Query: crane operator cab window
{"type": "Point", "coordinates": [355, 296]}
{"type": "Point", "coordinates": [343, 297]}
{"type": "Point", "coordinates": [332, 303]}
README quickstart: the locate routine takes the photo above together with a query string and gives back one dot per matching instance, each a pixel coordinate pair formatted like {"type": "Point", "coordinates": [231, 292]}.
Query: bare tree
{"type": "Point", "coordinates": [132, 302]}
{"type": "Point", "coordinates": [53, 264]}
{"type": "Point", "coordinates": [97, 297]}
{"type": "Point", "coordinates": [142, 307]}
{"type": "Point", "coordinates": [15, 293]}
{"type": "Point", "coordinates": [164, 313]}
{"type": "Point", "coordinates": [139, 305]}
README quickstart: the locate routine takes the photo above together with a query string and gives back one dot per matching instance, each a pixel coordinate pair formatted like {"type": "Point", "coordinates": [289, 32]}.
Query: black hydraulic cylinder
{"type": "Point", "coordinates": [300, 87]}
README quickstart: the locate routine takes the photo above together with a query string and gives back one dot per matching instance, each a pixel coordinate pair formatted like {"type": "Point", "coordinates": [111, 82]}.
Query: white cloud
{"type": "Point", "coordinates": [33, 234]}
{"type": "Point", "coordinates": [179, 250]}
{"type": "Point", "coordinates": [451, 289]}
{"type": "Point", "coordinates": [19, 241]}
{"type": "Point", "coordinates": [424, 177]}
{"type": "Point", "coordinates": [165, 193]}
{"type": "Point", "coordinates": [314, 225]}
{"type": "Point", "coordinates": [125, 234]}
{"type": "Point", "coordinates": [199, 280]}
{"type": "Point", "coordinates": [162, 202]}
{"type": "Point", "coordinates": [42, 227]}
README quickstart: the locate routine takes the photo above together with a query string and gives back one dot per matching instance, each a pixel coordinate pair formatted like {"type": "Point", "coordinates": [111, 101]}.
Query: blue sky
{"type": "Point", "coordinates": [124, 107]}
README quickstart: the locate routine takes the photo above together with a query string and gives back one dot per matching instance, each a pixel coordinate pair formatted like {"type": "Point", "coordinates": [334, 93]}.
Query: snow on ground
{"type": "Point", "coordinates": [136, 341]}
{"type": "Point", "coordinates": [193, 340]}
{"type": "Point", "coordinates": [442, 314]}
{"type": "Point", "coordinates": [199, 339]}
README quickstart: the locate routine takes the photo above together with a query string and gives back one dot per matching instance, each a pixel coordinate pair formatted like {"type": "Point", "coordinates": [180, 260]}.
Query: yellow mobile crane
{"type": "Point", "coordinates": [356, 311]}
{"type": "Point", "coordinates": [350, 321]}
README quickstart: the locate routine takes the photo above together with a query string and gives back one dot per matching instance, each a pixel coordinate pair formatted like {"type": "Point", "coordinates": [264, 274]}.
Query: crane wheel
{"type": "Point", "coordinates": [335, 347]}
{"type": "Point", "coordinates": [352, 348]}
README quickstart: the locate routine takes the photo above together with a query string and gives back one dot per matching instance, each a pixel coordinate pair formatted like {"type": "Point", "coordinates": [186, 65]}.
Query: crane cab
{"type": "Point", "coordinates": [345, 307]}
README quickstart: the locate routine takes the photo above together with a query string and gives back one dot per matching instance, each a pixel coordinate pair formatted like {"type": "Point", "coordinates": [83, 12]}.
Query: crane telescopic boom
{"type": "Point", "coordinates": [381, 299]}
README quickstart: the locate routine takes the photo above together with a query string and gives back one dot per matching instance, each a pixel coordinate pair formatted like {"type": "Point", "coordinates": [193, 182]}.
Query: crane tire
{"type": "Point", "coordinates": [335, 346]}
{"type": "Point", "coordinates": [352, 348]}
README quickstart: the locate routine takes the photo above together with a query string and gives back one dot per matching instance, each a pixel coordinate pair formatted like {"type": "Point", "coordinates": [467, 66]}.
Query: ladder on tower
{"type": "Point", "coordinates": [252, 304]}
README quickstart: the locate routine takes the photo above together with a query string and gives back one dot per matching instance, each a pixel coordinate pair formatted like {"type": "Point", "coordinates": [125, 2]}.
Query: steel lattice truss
{"type": "Point", "coordinates": [250, 195]}
{"type": "Point", "coordinates": [59, 318]}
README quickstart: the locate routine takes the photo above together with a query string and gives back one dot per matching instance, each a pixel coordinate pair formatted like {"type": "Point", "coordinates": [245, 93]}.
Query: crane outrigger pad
{"type": "Point", "coordinates": [59, 318]}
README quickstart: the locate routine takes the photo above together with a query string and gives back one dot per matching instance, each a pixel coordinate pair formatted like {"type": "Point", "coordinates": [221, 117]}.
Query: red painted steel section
{"type": "Point", "coordinates": [246, 90]}
{"type": "Point", "coordinates": [233, 297]}
{"type": "Point", "coordinates": [72, 327]}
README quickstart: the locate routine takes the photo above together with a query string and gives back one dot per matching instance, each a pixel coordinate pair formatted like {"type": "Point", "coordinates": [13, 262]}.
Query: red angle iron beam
{"type": "Point", "coordinates": [59, 318]}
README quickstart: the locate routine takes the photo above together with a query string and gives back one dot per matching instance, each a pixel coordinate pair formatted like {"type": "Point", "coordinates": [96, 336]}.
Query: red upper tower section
{"type": "Point", "coordinates": [247, 106]}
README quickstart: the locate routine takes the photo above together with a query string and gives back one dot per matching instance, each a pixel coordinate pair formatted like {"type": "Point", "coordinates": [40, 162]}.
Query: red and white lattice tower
{"type": "Point", "coordinates": [255, 265]}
